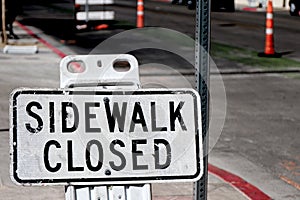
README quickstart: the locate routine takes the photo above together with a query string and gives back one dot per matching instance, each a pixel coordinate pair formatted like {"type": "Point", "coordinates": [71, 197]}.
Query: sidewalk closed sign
{"type": "Point", "coordinates": [105, 137]}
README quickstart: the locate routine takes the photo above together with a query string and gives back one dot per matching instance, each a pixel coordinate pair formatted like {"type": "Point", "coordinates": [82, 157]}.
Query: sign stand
{"type": "Point", "coordinates": [75, 74]}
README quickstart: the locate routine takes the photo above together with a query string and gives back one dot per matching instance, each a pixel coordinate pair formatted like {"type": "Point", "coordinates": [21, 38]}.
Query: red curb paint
{"type": "Point", "coordinates": [47, 44]}
{"type": "Point", "coordinates": [250, 9]}
{"type": "Point", "coordinates": [237, 182]}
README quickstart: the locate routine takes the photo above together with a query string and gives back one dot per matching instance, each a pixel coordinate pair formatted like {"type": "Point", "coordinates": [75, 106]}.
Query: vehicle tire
{"type": "Point", "coordinates": [231, 6]}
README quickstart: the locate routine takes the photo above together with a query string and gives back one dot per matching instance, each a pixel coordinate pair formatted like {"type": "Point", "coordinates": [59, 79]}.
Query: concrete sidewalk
{"type": "Point", "coordinates": [42, 70]}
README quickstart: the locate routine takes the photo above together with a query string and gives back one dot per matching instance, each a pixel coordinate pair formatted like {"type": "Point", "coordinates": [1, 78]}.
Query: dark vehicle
{"type": "Point", "coordinates": [294, 7]}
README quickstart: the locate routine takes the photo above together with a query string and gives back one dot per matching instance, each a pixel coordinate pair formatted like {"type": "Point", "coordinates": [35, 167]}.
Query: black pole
{"type": "Point", "coordinates": [202, 39]}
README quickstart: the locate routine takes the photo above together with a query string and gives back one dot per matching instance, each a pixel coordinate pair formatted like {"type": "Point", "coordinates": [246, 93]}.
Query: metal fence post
{"type": "Point", "coordinates": [202, 47]}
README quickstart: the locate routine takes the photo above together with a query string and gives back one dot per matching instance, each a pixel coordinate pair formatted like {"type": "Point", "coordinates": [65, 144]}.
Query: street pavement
{"type": "Point", "coordinates": [246, 29]}
{"type": "Point", "coordinates": [244, 117]}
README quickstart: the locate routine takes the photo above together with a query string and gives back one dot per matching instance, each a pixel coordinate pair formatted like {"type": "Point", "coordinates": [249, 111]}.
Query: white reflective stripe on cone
{"type": "Point", "coordinates": [269, 31]}
{"type": "Point", "coordinates": [269, 16]}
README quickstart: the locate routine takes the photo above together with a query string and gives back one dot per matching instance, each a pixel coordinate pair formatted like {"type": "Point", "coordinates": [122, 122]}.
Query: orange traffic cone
{"type": "Point", "coordinates": [269, 42]}
{"type": "Point", "coordinates": [140, 14]}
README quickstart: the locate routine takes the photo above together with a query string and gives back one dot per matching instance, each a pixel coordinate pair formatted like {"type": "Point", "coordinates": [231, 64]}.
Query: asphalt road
{"type": "Point", "coordinates": [242, 29]}
{"type": "Point", "coordinates": [262, 117]}
{"type": "Point", "coordinates": [247, 30]}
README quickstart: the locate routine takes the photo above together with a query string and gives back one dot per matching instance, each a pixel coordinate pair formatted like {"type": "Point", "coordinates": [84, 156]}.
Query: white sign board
{"type": "Point", "coordinates": [105, 137]}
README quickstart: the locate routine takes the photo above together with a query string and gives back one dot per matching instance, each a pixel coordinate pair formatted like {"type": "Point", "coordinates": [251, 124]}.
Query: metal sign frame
{"type": "Point", "coordinates": [106, 79]}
